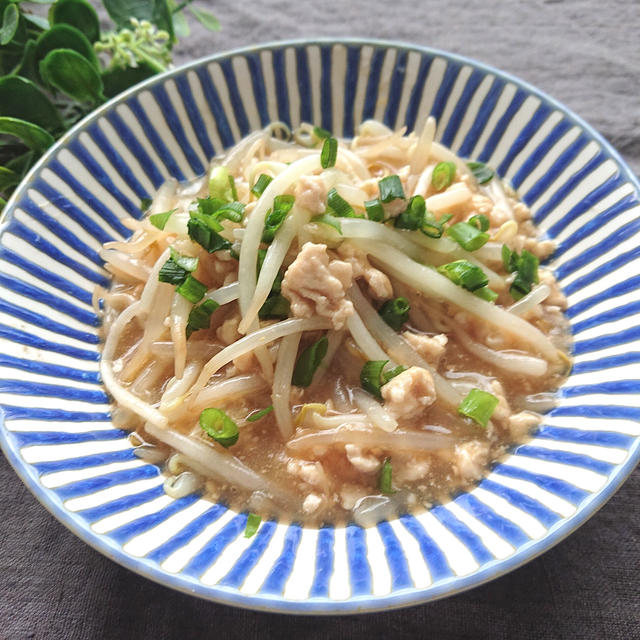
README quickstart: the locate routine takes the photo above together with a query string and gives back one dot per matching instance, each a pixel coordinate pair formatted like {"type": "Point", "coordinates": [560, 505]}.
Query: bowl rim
{"type": "Point", "coordinates": [312, 606]}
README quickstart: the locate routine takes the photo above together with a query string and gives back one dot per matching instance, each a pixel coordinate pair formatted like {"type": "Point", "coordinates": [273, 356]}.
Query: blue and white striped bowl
{"type": "Point", "coordinates": [56, 428]}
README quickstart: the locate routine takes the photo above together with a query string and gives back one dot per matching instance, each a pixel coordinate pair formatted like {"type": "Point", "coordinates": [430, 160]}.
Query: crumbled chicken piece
{"type": "Point", "coordinates": [362, 462]}
{"type": "Point", "coordinates": [540, 248]}
{"type": "Point", "coordinates": [500, 214]}
{"type": "Point", "coordinates": [409, 393]}
{"type": "Point", "coordinates": [502, 411]}
{"type": "Point", "coordinates": [481, 204]}
{"type": "Point", "coordinates": [556, 297]}
{"type": "Point", "coordinates": [311, 503]}
{"type": "Point", "coordinates": [521, 423]}
{"type": "Point", "coordinates": [310, 472]}
{"type": "Point", "coordinates": [350, 494]}
{"type": "Point", "coordinates": [311, 194]}
{"type": "Point", "coordinates": [431, 348]}
{"type": "Point", "coordinates": [395, 207]}
{"type": "Point", "coordinates": [227, 332]}
{"type": "Point", "coordinates": [245, 362]}
{"type": "Point", "coordinates": [471, 459]}
{"type": "Point", "coordinates": [316, 286]}
{"type": "Point", "coordinates": [520, 211]}
{"type": "Point", "coordinates": [379, 283]}
{"type": "Point", "coordinates": [410, 470]}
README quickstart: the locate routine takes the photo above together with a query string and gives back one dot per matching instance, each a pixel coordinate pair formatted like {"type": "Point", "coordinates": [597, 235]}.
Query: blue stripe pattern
{"type": "Point", "coordinates": [250, 557]}
{"type": "Point", "coordinates": [49, 255]}
{"type": "Point", "coordinates": [184, 536]}
{"type": "Point", "coordinates": [281, 569]}
{"type": "Point", "coordinates": [106, 509]}
{"type": "Point", "coordinates": [471, 540]}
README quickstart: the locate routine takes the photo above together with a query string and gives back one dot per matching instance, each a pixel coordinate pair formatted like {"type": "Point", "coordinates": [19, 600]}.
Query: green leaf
{"type": "Point", "coordinates": [30, 134]}
{"type": "Point", "coordinates": [205, 18]}
{"type": "Point", "coordinates": [10, 20]}
{"type": "Point", "coordinates": [37, 21]}
{"type": "Point", "coordinates": [28, 67]}
{"type": "Point", "coordinates": [64, 36]}
{"type": "Point", "coordinates": [9, 61]}
{"type": "Point", "coordinates": [77, 13]}
{"type": "Point", "coordinates": [180, 25]}
{"type": "Point", "coordinates": [69, 72]}
{"type": "Point", "coordinates": [22, 163]}
{"type": "Point", "coordinates": [117, 80]}
{"type": "Point", "coordinates": [20, 98]}
{"type": "Point", "coordinates": [155, 11]}
{"type": "Point", "coordinates": [8, 179]}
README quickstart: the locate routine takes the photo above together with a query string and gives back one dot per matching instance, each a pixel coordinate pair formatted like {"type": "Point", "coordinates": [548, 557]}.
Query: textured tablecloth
{"type": "Point", "coordinates": [586, 53]}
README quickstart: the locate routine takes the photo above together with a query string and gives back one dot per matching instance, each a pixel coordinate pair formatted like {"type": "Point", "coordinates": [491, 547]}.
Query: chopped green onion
{"type": "Point", "coordinates": [384, 481]}
{"type": "Point", "coordinates": [434, 228]}
{"type": "Point", "coordinates": [391, 189]}
{"type": "Point", "coordinates": [526, 266]}
{"type": "Point", "coordinates": [253, 523]}
{"type": "Point", "coordinates": [219, 426]}
{"type": "Point", "coordinates": [275, 216]}
{"type": "Point", "coordinates": [467, 236]}
{"type": "Point", "coordinates": [465, 273]}
{"type": "Point", "coordinates": [204, 229]}
{"type": "Point", "coordinates": [254, 417]}
{"type": "Point", "coordinates": [486, 294]}
{"type": "Point", "coordinates": [188, 263]}
{"type": "Point", "coordinates": [395, 312]}
{"type": "Point", "coordinates": [413, 216]}
{"type": "Point", "coordinates": [374, 209]}
{"type": "Point", "coordinates": [275, 306]}
{"type": "Point", "coordinates": [339, 206]}
{"type": "Point", "coordinates": [481, 172]}
{"type": "Point", "coordinates": [177, 268]}
{"type": "Point", "coordinates": [308, 361]}
{"type": "Point", "coordinates": [392, 373]}
{"type": "Point", "coordinates": [373, 376]}
{"type": "Point", "coordinates": [172, 273]}
{"type": "Point", "coordinates": [509, 259]}
{"type": "Point", "coordinates": [480, 221]}
{"type": "Point", "coordinates": [277, 281]}
{"type": "Point", "coordinates": [479, 406]}
{"type": "Point", "coordinates": [261, 184]}
{"type": "Point", "coordinates": [233, 211]}
{"type": "Point", "coordinates": [200, 316]}
{"type": "Point", "coordinates": [191, 289]}
{"type": "Point", "coordinates": [216, 208]}
{"type": "Point", "coordinates": [329, 153]}
{"type": "Point", "coordinates": [145, 204]}
{"type": "Point", "coordinates": [321, 133]}
{"type": "Point", "coordinates": [208, 206]}
{"type": "Point", "coordinates": [222, 185]}
{"type": "Point", "coordinates": [325, 218]}
{"type": "Point", "coordinates": [443, 175]}
{"type": "Point", "coordinates": [159, 220]}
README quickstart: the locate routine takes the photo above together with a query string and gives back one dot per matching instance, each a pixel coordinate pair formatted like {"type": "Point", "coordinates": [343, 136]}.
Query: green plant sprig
{"type": "Point", "coordinates": [55, 70]}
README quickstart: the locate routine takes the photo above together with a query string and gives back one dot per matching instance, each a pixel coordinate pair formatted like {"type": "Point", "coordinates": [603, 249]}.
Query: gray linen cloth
{"type": "Point", "coordinates": [585, 53]}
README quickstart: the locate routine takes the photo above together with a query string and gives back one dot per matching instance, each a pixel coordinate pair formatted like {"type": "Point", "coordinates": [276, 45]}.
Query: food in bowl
{"type": "Point", "coordinates": [332, 329]}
